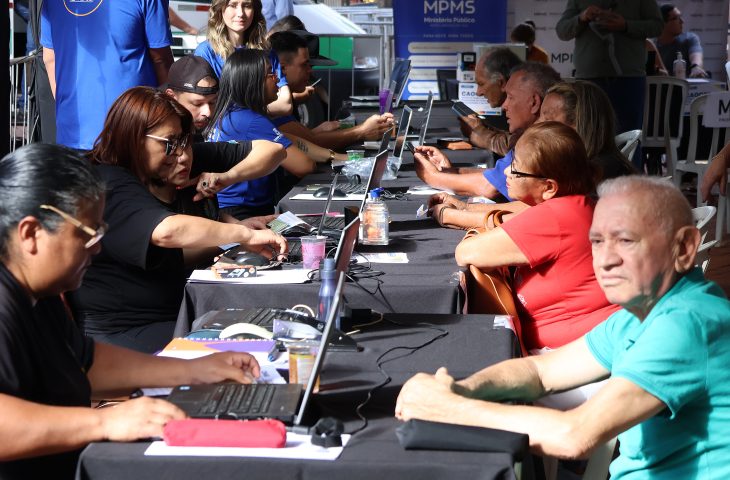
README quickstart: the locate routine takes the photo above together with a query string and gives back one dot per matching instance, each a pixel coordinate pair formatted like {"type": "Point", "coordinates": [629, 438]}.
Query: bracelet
{"type": "Point", "coordinates": [441, 213]}
{"type": "Point", "coordinates": [332, 155]}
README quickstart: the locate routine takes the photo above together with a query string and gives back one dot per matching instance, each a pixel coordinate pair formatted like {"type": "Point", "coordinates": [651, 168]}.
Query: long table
{"type": "Point", "coordinates": [473, 342]}
{"type": "Point", "coordinates": [428, 283]}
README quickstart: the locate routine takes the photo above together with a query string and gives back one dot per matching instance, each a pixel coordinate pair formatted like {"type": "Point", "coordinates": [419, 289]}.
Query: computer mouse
{"type": "Point", "coordinates": [322, 192]}
{"type": "Point", "coordinates": [250, 258]}
{"type": "Point", "coordinates": [246, 330]}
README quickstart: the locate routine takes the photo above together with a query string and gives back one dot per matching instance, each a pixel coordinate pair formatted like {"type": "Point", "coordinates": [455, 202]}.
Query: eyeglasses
{"type": "Point", "coordinates": [519, 174]}
{"type": "Point", "coordinates": [172, 144]}
{"type": "Point", "coordinates": [95, 234]}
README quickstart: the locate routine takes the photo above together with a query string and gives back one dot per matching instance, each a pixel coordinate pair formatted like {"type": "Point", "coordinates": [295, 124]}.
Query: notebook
{"type": "Point", "coordinates": [236, 401]}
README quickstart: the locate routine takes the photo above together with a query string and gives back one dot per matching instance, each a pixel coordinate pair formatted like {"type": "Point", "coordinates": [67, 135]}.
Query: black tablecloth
{"type": "Point", "coordinates": [472, 343]}
{"type": "Point", "coordinates": [428, 283]}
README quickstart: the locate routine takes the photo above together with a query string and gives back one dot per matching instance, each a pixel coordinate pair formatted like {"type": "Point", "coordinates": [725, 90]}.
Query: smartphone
{"type": "Point", "coordinates": [410, 147]}
{"type": "Point", "coordinates": [315, 82]}
{"type": "Point", "coordinates": [462, 110]}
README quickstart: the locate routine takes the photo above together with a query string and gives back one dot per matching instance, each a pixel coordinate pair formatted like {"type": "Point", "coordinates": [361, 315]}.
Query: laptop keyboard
{"type": "Point", "coordinates": [330, 222]}
{"type": "Point", "coordinates": [239, 399]}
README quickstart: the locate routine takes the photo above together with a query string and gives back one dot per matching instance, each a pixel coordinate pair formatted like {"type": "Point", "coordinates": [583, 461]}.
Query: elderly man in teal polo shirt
{"type": "Point", "coordinates": [665, 354]}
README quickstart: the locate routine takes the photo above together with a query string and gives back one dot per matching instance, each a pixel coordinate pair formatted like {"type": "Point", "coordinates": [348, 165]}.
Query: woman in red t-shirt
{"type": "Point", "coordinates": [558, 298]}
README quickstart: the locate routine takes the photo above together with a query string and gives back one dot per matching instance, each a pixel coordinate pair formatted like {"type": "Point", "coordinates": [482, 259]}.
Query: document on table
{"type": "Point", "coordinates": [263, 277]}
{"type": "Point", "coordinates": [385, 257]}
{"type": "Point", "coordinates": [297, 446]}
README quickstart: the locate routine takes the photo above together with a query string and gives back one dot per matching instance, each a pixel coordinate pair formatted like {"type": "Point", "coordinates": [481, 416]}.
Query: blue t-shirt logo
{"type": "Point", "coordinates": [82, 8]}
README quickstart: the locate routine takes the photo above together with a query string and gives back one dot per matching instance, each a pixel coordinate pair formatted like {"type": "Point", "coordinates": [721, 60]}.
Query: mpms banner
{"type": "Point", "coordinates": [431, 32]}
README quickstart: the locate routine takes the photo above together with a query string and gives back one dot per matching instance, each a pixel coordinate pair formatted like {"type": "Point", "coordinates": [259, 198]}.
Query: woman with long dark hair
{"type": "Point", "coordinates": [246, 87]}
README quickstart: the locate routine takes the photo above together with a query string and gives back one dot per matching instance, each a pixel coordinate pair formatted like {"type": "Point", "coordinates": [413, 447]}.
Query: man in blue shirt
{"type": "Point", "coordinates": [665, 354]}
{"type": "Point", "coordinates": [524, 91]}
{"type": "Point", "coordinates": [95, 50]}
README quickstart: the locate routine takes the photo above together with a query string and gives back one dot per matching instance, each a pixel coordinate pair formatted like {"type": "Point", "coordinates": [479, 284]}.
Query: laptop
{"type": "Point", "coordinates": [265, 316]}
{"type": "Point", "coordinates": [377, 170]}
{"type": "Point", "coordinates": [400, 136]}
{"type": "Point", "coordinates": [235, 401]}
{"type": "Point", "coordinates": [424, 126]}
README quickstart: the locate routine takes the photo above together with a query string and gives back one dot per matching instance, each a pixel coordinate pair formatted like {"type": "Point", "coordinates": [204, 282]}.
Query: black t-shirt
{"type": "Point", "coordinates": [43, 359]}
{"type": "Point", "coordinates": [131, 282]}
{"type": "Point", "coordinates": [209, 157]}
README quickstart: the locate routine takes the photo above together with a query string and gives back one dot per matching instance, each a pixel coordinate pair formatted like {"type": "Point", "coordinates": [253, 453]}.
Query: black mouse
{"type": "Point", "coordinates": [250, 258]}
{"type": "Point", "coordinates": [322, 192]}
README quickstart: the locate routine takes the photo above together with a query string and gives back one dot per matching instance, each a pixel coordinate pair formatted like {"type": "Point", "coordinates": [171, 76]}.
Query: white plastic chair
{"type": "Point", "coordinates": [702, 216]}
{"type": "Point", "coordinates": [627, 142]}
{"type": "Point", "coordinates": [663, 107]}
{"type": "Point", "coordinates": [693, 164]}
{"type": "Point", "coordinates": [596, 468]}
{"type": "Point", "coordinates": [702, 259]}
{"type": "Point", "coordinates": [722, 226]}
{"type": "Point", "coordinates": [727, 75]}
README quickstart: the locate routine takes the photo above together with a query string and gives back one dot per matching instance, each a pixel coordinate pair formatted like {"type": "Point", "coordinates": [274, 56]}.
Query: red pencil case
{"type": "Point", "coordinates": [225, 433]}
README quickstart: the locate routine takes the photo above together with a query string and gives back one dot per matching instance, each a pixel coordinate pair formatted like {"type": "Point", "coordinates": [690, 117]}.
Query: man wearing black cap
{"type": "Point", "coordinates": [298, 51]}
{"type": "Point", "coordinates": [192, 82]}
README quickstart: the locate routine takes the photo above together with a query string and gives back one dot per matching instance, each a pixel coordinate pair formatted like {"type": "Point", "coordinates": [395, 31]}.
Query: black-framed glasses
{"type": "Point", "coordinates": [518, 174]}
{"type": "Point", "coordinates": [172, 144]}
{"type": "Point", "coordinates": [95, 234]}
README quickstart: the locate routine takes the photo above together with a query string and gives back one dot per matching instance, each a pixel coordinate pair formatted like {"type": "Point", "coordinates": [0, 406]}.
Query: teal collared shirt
{"type": "Point", "coordinates": [680, 354]}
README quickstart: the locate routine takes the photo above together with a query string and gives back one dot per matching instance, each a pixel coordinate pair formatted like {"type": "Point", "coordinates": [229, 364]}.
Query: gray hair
{"type": "Point", "coordinates": [498, 62]}
{"type": "Point", "coordinates": [539, 75]}
{"type": "Point", "coordinates": [658, 198]}
{"type": "Point", "coordinates": [40, 174]}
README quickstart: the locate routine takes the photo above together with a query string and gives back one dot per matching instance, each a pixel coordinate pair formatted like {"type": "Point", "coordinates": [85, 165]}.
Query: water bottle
{"type": "Point", "coordinates": [679, 67]}
{"type": "Point", "coordinates": [327, 276]}
{"type": "Point", "coordinates": [374, 220]}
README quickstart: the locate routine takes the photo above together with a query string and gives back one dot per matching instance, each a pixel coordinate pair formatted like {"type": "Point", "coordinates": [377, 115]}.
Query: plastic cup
{"type": "Point", "coordinates": [383, 98]}
{"type": "Point", "coordinates": [301, 361]}
{"type": "Point", "coordinates": [312, 250]}
{"type": "Point", "coordinates": [353, 155]}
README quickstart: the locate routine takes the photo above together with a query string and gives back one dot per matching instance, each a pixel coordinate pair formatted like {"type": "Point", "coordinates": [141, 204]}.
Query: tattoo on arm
{"type": "Point", "coordinates": [302, 146]}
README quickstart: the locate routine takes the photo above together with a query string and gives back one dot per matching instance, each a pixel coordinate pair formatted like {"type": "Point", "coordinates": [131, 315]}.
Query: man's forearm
{"type": "Point", "coordinates": [495, 140]}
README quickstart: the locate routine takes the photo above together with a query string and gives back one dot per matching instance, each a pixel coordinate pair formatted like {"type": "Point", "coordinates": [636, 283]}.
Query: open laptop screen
{"type": "Point", "coordinates": [323, 345]}
{"type": "Point", "coordinates": [399, 75]}
{"type": "Point", "coordinates": [400, 137]}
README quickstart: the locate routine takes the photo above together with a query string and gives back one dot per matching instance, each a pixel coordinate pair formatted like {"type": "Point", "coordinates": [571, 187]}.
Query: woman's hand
{"type": "Point", "coordinates": [267, 243]}
{"type": "Point", "coordinates": [207, 184]}
{"type": "Point", "coordinates": [446, 199]}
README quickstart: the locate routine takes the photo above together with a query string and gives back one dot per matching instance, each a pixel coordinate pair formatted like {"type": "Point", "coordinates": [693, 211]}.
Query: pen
{"type": "Point", "coordinates": [274, 352]}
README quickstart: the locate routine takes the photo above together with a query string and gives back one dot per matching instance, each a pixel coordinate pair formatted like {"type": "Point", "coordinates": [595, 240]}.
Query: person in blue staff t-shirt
{"type": "Point", "coordinates": [246, 87]}
{"type": "Point", "coordinates": [94, 51]}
